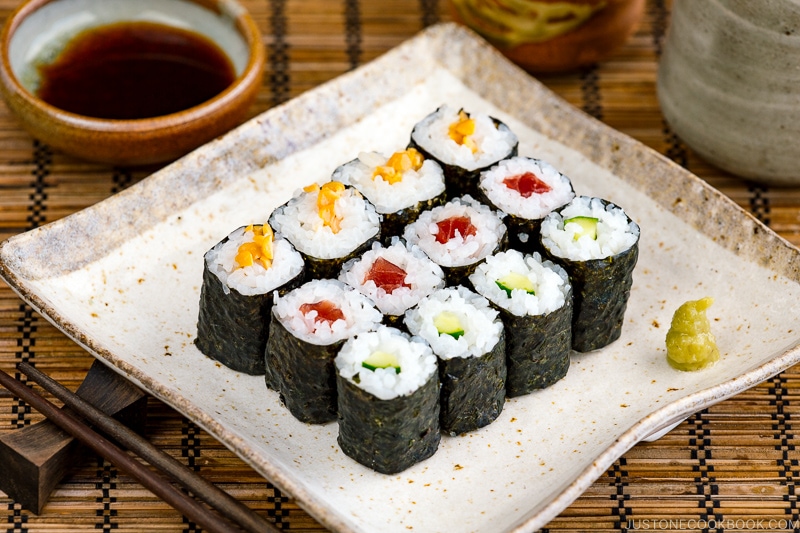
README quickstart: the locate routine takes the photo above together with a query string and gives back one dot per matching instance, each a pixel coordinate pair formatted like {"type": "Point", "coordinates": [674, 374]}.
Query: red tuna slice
{"type": "Point", "coordinates": [327, 311]}
{"type": "Point", "coordinates": [526, 184]}
{"type": "Point", "coordinates": [450, 226]}
{"type": "Point", "coordinates": [386, 275]}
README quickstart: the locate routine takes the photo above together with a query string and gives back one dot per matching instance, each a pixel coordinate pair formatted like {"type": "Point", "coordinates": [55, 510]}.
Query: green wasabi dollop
{"type": "Point", "coordinates": [690, 343]}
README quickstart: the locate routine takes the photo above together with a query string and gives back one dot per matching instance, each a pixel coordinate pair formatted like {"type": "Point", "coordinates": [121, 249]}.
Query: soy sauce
{"type": "Point", "coordinates": [132, 70]}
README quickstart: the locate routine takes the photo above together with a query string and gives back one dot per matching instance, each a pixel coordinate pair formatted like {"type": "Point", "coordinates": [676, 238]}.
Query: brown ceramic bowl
{"type": "Point", "coordinates": [40, 27]}
{"type": "Point", "coordinates": [552, 35]}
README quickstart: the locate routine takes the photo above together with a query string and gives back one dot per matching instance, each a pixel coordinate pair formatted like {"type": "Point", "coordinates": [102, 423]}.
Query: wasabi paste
{"type": "Point", "coordinates": [690, 343]}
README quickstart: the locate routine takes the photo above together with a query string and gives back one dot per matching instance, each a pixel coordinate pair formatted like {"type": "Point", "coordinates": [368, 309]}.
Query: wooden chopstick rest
{"type": "Point", "coordinates": [36, 458]}
{"type": "Point", "coordinates": [189, 507]}
{"type": "Point", "coordinates": [200, 487]}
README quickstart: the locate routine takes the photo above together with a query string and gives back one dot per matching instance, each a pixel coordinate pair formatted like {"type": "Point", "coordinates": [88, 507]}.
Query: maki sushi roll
{"type": "Point", "coordinates": [309, 326]}
{"type": "Point", "coordinates": [526, 190]}
{"type": "Point", "coordinates": [464, 144]}
{"type": "Point", "coordinates": [598, 245]}
{"type": "Point", "coordinates": [400, 186]}
{"type": "Point", "coordinates": [395, 277]}
{"type": "Point", "coordinates": [467, 336]}
{"type": "Point", "coordinates": [388, 390]}
{"type": "Point", "coordinates": [241, 273]}
{"type": "Point", "coordinates": [458, 236]}
{"type": "Point", "coordinates": [328, 225]}
{"type": "Point", "coordinates": [535, 302]}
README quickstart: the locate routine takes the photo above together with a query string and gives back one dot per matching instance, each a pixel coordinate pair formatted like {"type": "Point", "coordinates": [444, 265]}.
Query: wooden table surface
{"type": "Point", "coordinates": [733, 466]}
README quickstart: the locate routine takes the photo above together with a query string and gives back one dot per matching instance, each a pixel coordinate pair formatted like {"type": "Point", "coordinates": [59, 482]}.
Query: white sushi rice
{"type": "Point", "coordinates": [417, 363]}
{"type": "Point", "coordinates": [423, 275]}
{"type": "Point", "coordinates": [287, 263]}
{"type": "Point", "coordinates": [480, 322]}
{"type": "Point", "coordinates": [615, 233]}
{"type": "Point", "coordinates": [494, 143]}
{"type": "Point", "coordinates": [550, 283]}
{"type": "Point", "coordinates": [415, 185]}
{"type": "Point", "coordinates": [460, 250]}
{"type": "Point", "coordinates": [300, 223]}
{"type": "Point", "coordinates": [536, 206]}
{"type": "Point", "coordinates": [359, 312]}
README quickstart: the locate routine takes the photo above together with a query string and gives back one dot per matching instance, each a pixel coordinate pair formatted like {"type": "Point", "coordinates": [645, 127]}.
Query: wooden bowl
{"type": "Point", "coordinates": [40, 27]}
{"type": "Point", "coordinates": [552, 35]}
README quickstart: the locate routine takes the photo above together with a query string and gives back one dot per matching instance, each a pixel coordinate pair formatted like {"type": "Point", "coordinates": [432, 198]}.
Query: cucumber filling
{"type": "Point", "coordinates": [515, 281]}
{"type": "Point", "coordinates": [586, 226]}
{"type": "Point", "coordinates": [448, 323]}
{"type": "Point", "coordinates": [378, 359]}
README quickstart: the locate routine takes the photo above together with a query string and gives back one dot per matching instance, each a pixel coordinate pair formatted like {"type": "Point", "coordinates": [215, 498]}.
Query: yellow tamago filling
{"type": "Point", "coordinates": [462, 130]}
{"type": "Point", "coordinates": [392, 171]}
{"type": "Point", "coordinates": [326, 203]}
{"type": "Point", "coordinates": [259, 250]}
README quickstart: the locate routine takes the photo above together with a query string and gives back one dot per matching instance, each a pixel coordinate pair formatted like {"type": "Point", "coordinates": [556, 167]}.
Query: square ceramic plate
{"type": "Point", "coordinates": [123, 279]}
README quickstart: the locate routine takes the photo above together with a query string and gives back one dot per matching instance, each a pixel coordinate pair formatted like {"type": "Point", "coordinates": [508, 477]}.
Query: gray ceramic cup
{"type": "Point", "coordinates": [729, 85]}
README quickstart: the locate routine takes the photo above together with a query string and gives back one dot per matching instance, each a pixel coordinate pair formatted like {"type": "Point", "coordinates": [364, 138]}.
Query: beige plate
{"type": "Point", "coordinates": [123, 279]}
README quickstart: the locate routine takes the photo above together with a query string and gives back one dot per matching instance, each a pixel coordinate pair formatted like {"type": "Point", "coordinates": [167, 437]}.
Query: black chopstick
{"type": "Point", "coordinates": [189, 507]}
{"type": "Point", "coordinates": [219, 500]}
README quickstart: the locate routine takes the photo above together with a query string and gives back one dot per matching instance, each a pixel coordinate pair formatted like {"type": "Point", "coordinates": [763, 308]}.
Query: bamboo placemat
{"type": "Point", "coordinates": [733, 466]}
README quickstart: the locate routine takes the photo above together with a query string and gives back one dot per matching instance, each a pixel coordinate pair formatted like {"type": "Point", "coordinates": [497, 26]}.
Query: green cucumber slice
{"type": "Point", "coordinates": [513, 281]}
{"type": "Point", "coordinates": [448, 323]}
{"type": "Point", "coordinates": [378, 359]}
{"type": "Point", "coordinates": [588, 226]}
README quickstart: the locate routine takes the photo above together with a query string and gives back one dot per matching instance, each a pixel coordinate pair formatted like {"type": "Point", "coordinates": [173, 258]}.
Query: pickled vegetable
{"type": "Point", "coordinates": [690, 343]}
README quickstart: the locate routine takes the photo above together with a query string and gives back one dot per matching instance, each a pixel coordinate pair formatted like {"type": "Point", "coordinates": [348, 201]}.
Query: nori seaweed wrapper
{"type": "Point", "coordinates": [458, 180]}
{"type": "Point", "coordinates": [537, 348]}
{"type": "Point", "coordinates": [473, 389]}
{"type": "Point", "coordinates": [602, 289]}
{"type": "Point", "coordinates": [233, 328]}
{"type": "Point", "coordinates": [303, 374]}
{"type": "Point", "coordinates": [388, 436]}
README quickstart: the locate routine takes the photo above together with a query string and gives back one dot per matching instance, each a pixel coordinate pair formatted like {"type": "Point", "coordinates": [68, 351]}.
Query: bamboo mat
{"type": "Point", "coordinates": [733, 466]}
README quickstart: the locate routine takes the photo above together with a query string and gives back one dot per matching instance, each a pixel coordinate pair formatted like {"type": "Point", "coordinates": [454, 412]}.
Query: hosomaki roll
{"type": "Point", "coordinates": [388, 390]}
{"type": "Point", "coordinates": [399, 186]}
{"type": "Point", "coordinates": [395, 277]}
{"type": "Point", "coordinates": [241, 273]}
{"type": "Point", "coordinates": [464, 144]}
{"type": "Point", "coordinates": [328, 225]}
{"type": "Point", "coordinates": [598, 245]}
{"type": "Point", "coordinates": [309, 326]}
{"type": "Point", "coordinates": [534, 298]}
{"type": "Point", "coordinates": [526, 190]}
{"type": "Point", "coordinates": [467, 336]}
{"type": "Point", "coordinates": [458, 236]}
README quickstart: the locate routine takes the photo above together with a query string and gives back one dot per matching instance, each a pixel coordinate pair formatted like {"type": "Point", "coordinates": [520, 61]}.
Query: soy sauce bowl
{"type": "Point", "coordinates": [39, 29]}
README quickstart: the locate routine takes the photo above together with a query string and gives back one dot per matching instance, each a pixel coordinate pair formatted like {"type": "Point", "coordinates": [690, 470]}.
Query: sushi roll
{"type": "Point", "coordinates": [400, 186]}
{"type": "Point", "coordinates": [241, 273]}
{"type": "Point", "coordinates": [309, 326]}
{"type": "Point", "coordinates": [464, 144]}
{"type": "Point", "coordinates": [328, 225]}
{"type": "Point", "coordinates": [395, 277]}
{"type": "Point", "coordinates": [526, 190]}
{"type": "Point", "coordinates": [534, 298]}
{"type": "Point", "coordinates": [458, 236]}
{"type": "Point", "coordinates": [467, 336]}
{"type": "Point", "coordinates": [598, 245]}
{"type": "Point", "coordinates": [388, 390]}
